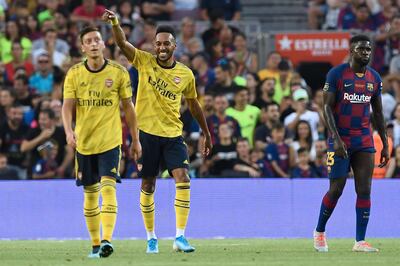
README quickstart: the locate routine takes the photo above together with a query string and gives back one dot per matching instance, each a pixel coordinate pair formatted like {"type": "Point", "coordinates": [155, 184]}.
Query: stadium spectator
{"type": "Point", "coordinates": [393, 170]}
{"type": "Point", "coordinates": [246, 60]}
{"type": "Point", "coordinates": [271, 69]}
{"type": "Point", "coordinates": [320, 158]}
{"type": "Point", "coordinates": [46, 166]}
{"type": "Point", "coordinates": [283, 81]}
{"type": "Point", "coordinates": [390, 102]}
{"type": "Point", "coordinates": [149, 31]}
{"type": "Point", "coordinates": [267, 91]}
{"type": "Point", "coordinates": [223, 81]}
{"type": "Point", "coordinates": [303, 139]}
{"type": "Point", "coordinates": [129, 11]}
{"type": "Point", "coordinates": [243, 165]}
{"type": "Point", "coordinates": [42, 80]}
{"type": "Point", "coordinates": [32, 28]}
{"type": "Point", "coordinates": [278, 154]}
{"type": "Point", "coordinates": [300, 98]}
{"type": "Point", "coordinates": [158, 10]}
{"type": "Point", "coordinates": [89, 12]}
{"type": "Point", "coordinates": [253, 85]}
{"type": "Point", "coordinates": [56, 48]}
{"type": "Point", "coordinates": [12, 33]}
{"type": "Point", "coordinates": [219, 117]}
{"type": "Point", "coordinates": [396, 125]}
{"type": "Point", "coordinates": [230, 9]}
{"type": "Point", "coordinates": [205, 75]}
{"type": "Point", "coordinates": [262, 134]}
{"type": "Point", "coordinates": [47, 131]}
{"type": "Point", "coordinates": [17, 62]}
{"type": "Point", "coordinates": [226, 38]}
{"type": "Point", "coordinates": [11, 136]}
{"type": "Point", "coordinates": [221, 160]}
{"type": "Point", "coordinates": [217, 22]}
{"type": "Point", "coordinates": [185, 8]}
{"type": "Point", "coordinates": [247, 115]}
{"type": "Point", "coordinates": [7, 99]}
{"type": "Point", "coordinates": [187, 33]}
{"type": "Point", "coordinates": [23, 95]}
{"type": "Point", "coordinates": [214, 51]}
{"type": "Point", "coordinates": [303, 168]}
{"type": "Point", "coordinates": [7, 172]}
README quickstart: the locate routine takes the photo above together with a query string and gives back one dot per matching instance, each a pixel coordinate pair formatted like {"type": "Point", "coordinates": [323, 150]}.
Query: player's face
{"type": "Point", "coordinates": [362, 52]}
{"type": "Point", "coordinates": [164, 46]}
{"type": "Point", "coordinates": [92, 44]}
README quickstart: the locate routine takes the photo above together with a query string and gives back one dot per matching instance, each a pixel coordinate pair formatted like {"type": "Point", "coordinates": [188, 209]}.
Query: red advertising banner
{"type": "Point", "coordinates": [330, 47]}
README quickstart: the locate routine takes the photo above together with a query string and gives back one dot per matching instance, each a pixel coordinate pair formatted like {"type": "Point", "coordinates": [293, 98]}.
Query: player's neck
{"type": "Point", "coordinates": [95, 64]}
{"type": "Point", "coordinates": [170, 63]}
{"type": "Point", "coordinates": [357, 68]}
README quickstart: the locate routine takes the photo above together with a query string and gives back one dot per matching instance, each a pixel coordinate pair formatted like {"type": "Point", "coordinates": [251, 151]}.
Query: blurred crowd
{"type": "Point", "coordinates": [264, 122]}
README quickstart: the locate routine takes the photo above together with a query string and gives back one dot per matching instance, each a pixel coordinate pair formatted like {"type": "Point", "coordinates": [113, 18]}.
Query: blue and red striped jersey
{"type": "Point", "coordinates": [354, 92]}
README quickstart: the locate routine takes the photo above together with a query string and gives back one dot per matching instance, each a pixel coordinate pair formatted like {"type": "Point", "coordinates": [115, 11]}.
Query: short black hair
{"type": "Point", "coordinates": [359, 38]}
{"type": "Point", "coordinates": [166, 29]}
{"type": "Point", "coordinates": [302, 150]}
{"type": "Point", "coordinates": [278, 126]}
{"type": "Point", "coordinates": [50, 113]}
{"type": "Point", "coordinates": [24, 79]}
{"type": "Point", "coordinates": [86, 30]}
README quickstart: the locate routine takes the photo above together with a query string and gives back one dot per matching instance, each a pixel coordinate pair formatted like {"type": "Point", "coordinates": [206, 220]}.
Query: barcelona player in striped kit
{"type": "Point", "coordinates": [349, 92]}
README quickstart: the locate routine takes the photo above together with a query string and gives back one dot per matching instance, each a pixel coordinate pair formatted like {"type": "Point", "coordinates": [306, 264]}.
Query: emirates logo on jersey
{"type": "Point", "coordinates": [177, 80]}
{"type": "Point", "coordinates": [109, 83]}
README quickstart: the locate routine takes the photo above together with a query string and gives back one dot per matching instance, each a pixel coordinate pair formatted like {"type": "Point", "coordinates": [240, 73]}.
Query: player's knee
{"type": "Point", "coordinates": [335, 193]}
{"type": "Point", "coordinates": [148, 185]}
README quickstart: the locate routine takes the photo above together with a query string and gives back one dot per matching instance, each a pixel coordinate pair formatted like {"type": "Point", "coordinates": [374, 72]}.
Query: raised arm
{"type": "Point", "coordinates": [119, 36]}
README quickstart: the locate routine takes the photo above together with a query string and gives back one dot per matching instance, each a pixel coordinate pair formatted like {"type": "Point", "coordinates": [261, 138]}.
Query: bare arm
{"type": "Point", "coordinates": [377, 113]}
{"type": "Point", "coordinates": [329, 105]}
{"type": "Point", "coordinates": [391, 168]}
{"type": "Point", "coordinates": [197, 113]}
{"type": "Point", "coordinates": [67, 114]}
{"type": "Point", "coordinates": [130, 115]}
{"type": "Point", "coordinates": [127, 48]}
{"type": "Point", "coordinates": [278, 169]}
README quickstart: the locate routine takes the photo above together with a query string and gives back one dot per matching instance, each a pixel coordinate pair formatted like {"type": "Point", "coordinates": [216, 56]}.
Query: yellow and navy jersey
{"type": "Point", "coordinates": [98, 94]}
{"type": "Point", "coordinates": [159, 95]}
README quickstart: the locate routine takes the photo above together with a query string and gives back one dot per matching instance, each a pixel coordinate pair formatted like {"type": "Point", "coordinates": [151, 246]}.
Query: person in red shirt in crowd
{"type": "Point", "coordinates": [88, 12]}
{"type": "Point", "coordinates": [17, 62]}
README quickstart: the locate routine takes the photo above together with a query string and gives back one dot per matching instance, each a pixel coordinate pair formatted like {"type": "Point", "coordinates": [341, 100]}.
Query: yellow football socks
{"type": "Point", "coordinates": [182, 205]}
{"type": "Point", "coordinates": [109, 207]}
{"type": "Point", "coordinates": [147, 206]}
{"type": "Point", "coordinates": [91, 212]}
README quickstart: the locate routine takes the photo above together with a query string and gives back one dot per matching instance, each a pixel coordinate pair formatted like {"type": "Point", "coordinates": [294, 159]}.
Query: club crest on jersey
{"type": "Point", "coordinates": [109, 83]}
{"type": "Point", "coordinates": [326, 87]}
{"type": "Point", "coordinates": [370, 86]}
{"type": "Point", "coordinates": [177, 80]}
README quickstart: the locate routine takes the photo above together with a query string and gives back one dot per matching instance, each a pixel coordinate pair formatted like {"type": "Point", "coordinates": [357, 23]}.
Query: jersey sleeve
{"type": "Point", "coordinates": [331, 81]}
{"type": "Point", "coordinates": [141, 59]}
{"type": "Point", "coordinates": [190, 90]}
{"type": "Point", "coordinates": [379, 82]}
{"type": "Point", "coordinates": [125, 89]}
{"type": "Point", "coordinates": [69, 86]}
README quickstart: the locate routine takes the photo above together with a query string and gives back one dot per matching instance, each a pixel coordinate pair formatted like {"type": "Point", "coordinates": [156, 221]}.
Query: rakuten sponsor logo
{"type": "Point", "coordinates": [356, 98]}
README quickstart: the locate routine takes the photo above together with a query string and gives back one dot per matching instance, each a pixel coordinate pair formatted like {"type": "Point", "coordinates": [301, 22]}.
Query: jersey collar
{"type": "Point", "coordinates": [96, 71]}
{"type": "Point", "coordinates": [172, 66]}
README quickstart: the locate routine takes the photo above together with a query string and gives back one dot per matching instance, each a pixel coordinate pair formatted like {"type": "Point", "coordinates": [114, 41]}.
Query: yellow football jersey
{"type": "Point", "coordinates": [159, 95]}
{"type": "Point", "coordinates": [98, 94]}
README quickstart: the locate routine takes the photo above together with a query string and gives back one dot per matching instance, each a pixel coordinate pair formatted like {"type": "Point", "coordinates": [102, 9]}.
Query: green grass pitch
{"type": "Point", "coordinates": [208, 252]}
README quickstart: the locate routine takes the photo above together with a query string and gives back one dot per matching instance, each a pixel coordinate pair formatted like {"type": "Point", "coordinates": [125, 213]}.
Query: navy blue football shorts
{"type": "Point", "coordinates": [160, 153]}
{"type": "Point", "coordinates": [90, 168]}
{"type": "Point", "coordinates": [339, 167]}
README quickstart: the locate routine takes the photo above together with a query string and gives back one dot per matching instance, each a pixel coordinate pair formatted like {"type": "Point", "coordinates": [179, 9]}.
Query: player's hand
{"type": "Point", "coordinates": [206, 146]}
{"type": "Point", "coordinates": [136, 150]}
{"type": "Point", "coordinates": [384, 157]}
{"type": "Point", "coordinates": [71, 139]}
{"type": "Point", "coordinates": [109, 16]}
{"type": "Point", "coordinates": [340, 148]}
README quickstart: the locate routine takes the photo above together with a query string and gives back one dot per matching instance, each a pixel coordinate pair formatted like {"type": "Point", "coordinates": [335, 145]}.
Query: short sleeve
{"type": "Point", "coordinates": [125, 89]}
{"type": "Point", "coordinates": [331, 81]}
{"type": "Point", "coordinates": [141, 59]}
{"type": "Point", "coordinates": [69, 86]}
{"type": "Point", "coordinates": [190, 90]}
{"type": "Point", "coordinates": [379, 82]}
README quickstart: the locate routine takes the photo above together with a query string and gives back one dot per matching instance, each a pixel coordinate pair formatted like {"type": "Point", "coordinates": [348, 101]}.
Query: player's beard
{"type": "Point", "coordinates": [164, 58]}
